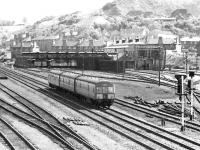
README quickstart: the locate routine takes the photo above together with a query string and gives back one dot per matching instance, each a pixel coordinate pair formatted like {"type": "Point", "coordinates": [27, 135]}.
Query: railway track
{"type": "Point", "coordinates": [141, 79]}
{"type": "Point", "coordinates": [136, 78]}
{"type": "Point", "coordinates": [129, 76]}
{"type": "Point", "coordinates": [12, 138]}
{"type": "Point", "coordinates": [150, 76]}
{"type": "Point", "coordinates": [62, 100]}
{"type": "Point", "coordinates": [40, 124]}
{"type": "Point", "coordinates": [151, 138]}
{"type": "Point", "coordinates": [5, 141]}
{"type": "Point", "coordinates": [157, 114]}
{"type": "Point", "coordinates": [46, 119]}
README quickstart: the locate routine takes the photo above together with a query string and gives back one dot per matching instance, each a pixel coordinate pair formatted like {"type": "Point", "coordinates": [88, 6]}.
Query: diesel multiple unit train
{"type": "Point", "coordinates": [90, 89]}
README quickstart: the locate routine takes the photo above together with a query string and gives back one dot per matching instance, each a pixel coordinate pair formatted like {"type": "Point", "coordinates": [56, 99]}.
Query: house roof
{"type": "Point", "coordinates": [156, 33]}
{"type": "Point", "coordinates": [152, 41]}
{"type": "Point", "coordinates": [98, 43]}
{"type": "Point", "coordinates": [84, 43]}
{"type": "Point", "coordinates": [38, 38]}
{"type": "Point", "coordinates": [58, 42]}
{"type": "Point", "coordinates": [195, 39]}
{"type": "Point", "coordinates": [116, 46]}
{"type": "Point", "coordinates": [164, 41]}
{"type": "Point", "coordinates": [71, 43]}
{"type": "Point", "coordinates": [27, 39]}
{"type": "Point", "coordinates": [53, 37]}
{"type": "Point", "coordinates": [136, 32]}
{"type": "Point", "coordinates": [94, 42]}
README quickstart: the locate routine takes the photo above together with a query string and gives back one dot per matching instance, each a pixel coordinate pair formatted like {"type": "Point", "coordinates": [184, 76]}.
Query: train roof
{"type": "Point", "coordinates": [81, 77]}
{"type": "Point", "coordinates": [56, 71]}
{"type": "Point", "coordinates": [97, 81]}
{"type": "Point", "coordinates": [89, 79]}
{"type": "Point", "coordinates": [70, 74]}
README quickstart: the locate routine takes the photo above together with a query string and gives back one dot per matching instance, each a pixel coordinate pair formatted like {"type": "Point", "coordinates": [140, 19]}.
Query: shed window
{"type": "Point", "coordinates": [130, 40]}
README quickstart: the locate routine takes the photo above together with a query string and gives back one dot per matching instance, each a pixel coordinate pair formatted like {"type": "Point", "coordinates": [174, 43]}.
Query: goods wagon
{"type": "Point", "coordinates": [90, 89]}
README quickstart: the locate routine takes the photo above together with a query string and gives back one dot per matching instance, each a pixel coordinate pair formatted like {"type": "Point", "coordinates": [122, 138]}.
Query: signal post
{"type": "Point", "coordinates": [180, 91]}
{"type": "Point", "coordinates": [191, 89]}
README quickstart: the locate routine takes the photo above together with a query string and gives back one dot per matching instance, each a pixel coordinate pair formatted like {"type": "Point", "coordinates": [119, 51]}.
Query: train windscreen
{"type": "Point", "coordinates": [105, 89]}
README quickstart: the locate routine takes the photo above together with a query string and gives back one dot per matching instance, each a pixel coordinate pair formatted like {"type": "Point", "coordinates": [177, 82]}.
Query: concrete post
{"type": "Point", "coordinates": [192, 101]}
{"type": "Point", "coordinates": [183, 106]}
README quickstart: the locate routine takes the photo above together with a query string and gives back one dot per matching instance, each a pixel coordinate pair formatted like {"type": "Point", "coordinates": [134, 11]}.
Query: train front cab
{"type": "Point", "coordinates": [54, 78]}
{"type": "Point", "coordinates": [105, 92]}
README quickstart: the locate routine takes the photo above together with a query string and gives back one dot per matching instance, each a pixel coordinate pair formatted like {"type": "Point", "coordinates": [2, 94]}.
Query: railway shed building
{"type": "Point", "coordinates": [141, 56]}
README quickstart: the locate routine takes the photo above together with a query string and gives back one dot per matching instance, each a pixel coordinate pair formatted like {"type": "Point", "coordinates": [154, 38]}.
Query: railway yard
{"type": "Point", "coordinates": [143, 115]}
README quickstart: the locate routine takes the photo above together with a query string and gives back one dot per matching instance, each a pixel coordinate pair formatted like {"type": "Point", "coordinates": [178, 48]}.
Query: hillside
{"type": "Point", "coordinates": [123, 14]}
{"type": "Point", "coordinates": [155, 7]}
